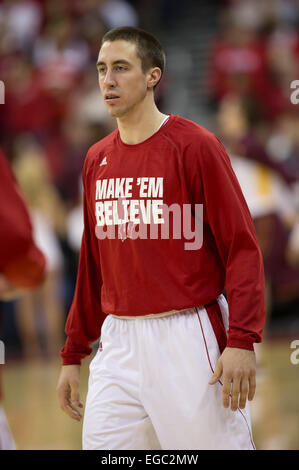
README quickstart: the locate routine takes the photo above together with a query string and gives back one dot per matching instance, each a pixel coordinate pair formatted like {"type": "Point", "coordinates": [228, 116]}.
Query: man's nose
{"type": "Point", "coordinates": [109, 78]}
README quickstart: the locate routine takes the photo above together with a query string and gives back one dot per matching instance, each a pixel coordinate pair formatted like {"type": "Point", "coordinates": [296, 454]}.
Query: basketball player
{"type": "Point", "coordinates": [22, 264]}
{"type": "Point", "coordinates": [176, 364]}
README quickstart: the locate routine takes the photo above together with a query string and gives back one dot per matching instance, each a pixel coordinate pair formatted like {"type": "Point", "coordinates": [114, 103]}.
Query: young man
{"type": "Point", "coordinates": [165, 360]}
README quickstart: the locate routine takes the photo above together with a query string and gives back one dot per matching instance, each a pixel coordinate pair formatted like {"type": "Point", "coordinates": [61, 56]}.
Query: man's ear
{"type": "Point", "coordinates": [154, 76]}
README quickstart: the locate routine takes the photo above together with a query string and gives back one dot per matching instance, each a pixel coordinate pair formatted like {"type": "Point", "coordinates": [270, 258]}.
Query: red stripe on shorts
{"type": "Point", "coordinates": [215, 317]}
{"type": "Point", "coordinates": [219, 333]}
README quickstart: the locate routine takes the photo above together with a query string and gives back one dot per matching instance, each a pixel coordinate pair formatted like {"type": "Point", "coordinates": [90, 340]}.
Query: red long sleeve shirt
{"type": "Point", "coordinates": [181, 164]}
{"type": "Point", "coordinates": [21, 261]}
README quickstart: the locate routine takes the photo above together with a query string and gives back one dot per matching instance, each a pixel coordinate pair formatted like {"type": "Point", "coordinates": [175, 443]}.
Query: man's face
{"type": "Point", "coordinates": [122, 82]}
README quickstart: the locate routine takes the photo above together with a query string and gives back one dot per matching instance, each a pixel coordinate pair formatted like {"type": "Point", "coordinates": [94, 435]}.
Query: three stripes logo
{"type": "Point", "coordinates": [104, 161]}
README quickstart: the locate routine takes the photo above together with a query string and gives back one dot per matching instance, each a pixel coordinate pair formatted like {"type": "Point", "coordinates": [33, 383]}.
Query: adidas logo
{"type": "Point", "coordinates": [104, 161]}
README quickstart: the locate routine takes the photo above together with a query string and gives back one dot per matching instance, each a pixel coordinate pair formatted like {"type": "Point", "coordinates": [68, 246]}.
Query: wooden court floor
{"type": "Point", "coordinates": [37, 422]}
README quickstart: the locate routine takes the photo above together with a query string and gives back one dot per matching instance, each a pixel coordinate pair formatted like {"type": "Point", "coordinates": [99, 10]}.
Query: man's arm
{"type": "Point", "coordinates": [228, 216]}
{"type": "Point", "coordinates": [85, 318]}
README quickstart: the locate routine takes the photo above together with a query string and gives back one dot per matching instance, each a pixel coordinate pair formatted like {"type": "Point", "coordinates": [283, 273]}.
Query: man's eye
{"type": "Point", "coordinates": [101, 70]}
{"type": "Point", "coordinates": [120, 68]}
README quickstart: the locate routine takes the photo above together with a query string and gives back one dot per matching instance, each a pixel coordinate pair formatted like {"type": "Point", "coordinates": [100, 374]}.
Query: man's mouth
{"type": "Point", "coordinates": [111, 98]}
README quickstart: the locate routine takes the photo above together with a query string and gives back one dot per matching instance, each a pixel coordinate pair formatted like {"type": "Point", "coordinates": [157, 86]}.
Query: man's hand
{"type": "Point", "coordinates": [238, 367]}
{"type": "Point", "coordinates": [68, 391]}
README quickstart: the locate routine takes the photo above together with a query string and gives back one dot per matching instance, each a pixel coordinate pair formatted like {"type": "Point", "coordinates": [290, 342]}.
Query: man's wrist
{"type": "Point", "coordinates": [240, 343]}
{"type": "Point", "coordinates": [71, 361]}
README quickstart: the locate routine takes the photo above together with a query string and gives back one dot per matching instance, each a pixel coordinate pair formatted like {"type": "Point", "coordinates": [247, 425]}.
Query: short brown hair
{"type": "Point", "coordinates": [149, 49]}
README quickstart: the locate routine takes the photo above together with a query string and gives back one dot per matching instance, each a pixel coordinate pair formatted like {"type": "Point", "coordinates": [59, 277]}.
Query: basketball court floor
{"type": "Point", "coordinates": [36, 421]}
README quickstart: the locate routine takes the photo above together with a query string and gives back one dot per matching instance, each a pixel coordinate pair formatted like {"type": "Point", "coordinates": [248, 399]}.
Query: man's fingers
{"type": "Point", "coordinates": [217, 374]}
{"type": "Point", "coordinates": [75, 397]}
{"type": "Point", "coordinates": [226, 389]}
{"type": "Point", "coordinates": [77, 403]}
{"type": "Point", "coordinates": [69, 409]}
{"type": "Point", "coordinates": [235, 391]}
{"type": "Point", "coordinates": [243, 388]}
{"type": "Point", "coordinates": [65, 394]}
{"type": "Point", "coordinates": [73, 413]}
{"type": "Point", "coordinates": [243, 392]}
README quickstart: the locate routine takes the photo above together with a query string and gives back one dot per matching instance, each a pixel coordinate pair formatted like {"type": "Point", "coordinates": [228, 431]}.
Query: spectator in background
{"type": "Point", "coordinates": [270, 194]}
{"type": "Point", "coordinates": [30, 106]}
{"type": "Point", "coordinates": [23, 21]}
{"type": "Point", "coordinates": [40, 314]}
{"type": "Point", "coordinates": [75, 223]}
{"type": "Point", "coordinates": [64, 156]}
{"type": "Point", "coordinates": [238, 63]}
{"type": "Point", "coordinates": [22, 264]}
{"type": "Point", "coordinates": [247, 133]}
{"type": "Point", "coordinates": [282, 144]}
{"type": "Point", "coordinates": [256, 55]}
{"type": "Point", "coordinates": [117, 13]}
{"type": "Point", "coordinates": [253, 61]}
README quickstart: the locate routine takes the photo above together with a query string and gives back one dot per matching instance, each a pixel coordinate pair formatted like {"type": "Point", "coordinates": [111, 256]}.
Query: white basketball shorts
{"type": "Point", "coordinates": [148, 385]}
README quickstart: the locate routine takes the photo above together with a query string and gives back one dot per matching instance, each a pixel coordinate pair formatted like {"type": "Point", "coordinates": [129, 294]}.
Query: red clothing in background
{"type": "Point", "coordinates": [22, 263]}
{"type": "Point", "coordinates": [142, 276]}
{"type": "Point", "coordinates": [236, 67]}
{"type": "Point", "coordinates": [243, 69]}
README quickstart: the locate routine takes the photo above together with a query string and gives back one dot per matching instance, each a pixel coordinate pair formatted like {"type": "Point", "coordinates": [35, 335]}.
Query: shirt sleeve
{"type": "Point", "coordinates": [85, 317]}
{"type": "Point", "coordinates": [21, 261]}
{"type": "Point", "coordinates": [228, 217]}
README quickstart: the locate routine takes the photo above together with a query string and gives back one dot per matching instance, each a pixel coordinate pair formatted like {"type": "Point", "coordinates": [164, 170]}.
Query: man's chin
{"type": "Point", "coordinates": [116, 113]}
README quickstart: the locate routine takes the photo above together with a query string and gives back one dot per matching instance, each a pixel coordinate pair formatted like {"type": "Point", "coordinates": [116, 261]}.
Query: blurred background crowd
{"type": "Point", "coordinates": [230, 66]}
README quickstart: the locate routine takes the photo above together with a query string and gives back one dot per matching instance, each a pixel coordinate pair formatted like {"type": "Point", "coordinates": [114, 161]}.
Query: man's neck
{"type": "Point", "coordinates": [140, 124]}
